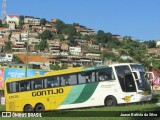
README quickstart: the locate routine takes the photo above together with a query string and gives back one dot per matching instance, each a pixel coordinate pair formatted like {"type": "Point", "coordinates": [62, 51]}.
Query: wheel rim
{"type": "Point", "coordinates": [28, 109]}
{"type": "Point", "coordinates": [110, 102]}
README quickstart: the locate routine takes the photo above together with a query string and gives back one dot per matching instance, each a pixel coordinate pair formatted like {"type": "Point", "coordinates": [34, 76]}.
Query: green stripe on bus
{"type": "Point", "coordinates": [86, 93]}
{"type": "Point", "coordinates": [74, 94]}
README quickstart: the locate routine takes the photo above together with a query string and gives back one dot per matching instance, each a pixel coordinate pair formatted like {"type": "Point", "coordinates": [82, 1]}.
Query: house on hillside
{"type": "Point", "coordinates": [54, 46]}
{"type": "Point", "coordinates": [31, 20]}
{"type": "Point", "coordinates": [12, 18]}
{"type": "Point", "coordinates": [117, 37]}
{"type": "Point", "coordinates": [84, 30]}
{"type": "Point", "coordinates": [12, 25]}
{"type": "Point", "coordinates": [24, 36]}
{"type": "Point", "coordinates": [75, 50]}
{"type": "Point", "coordinates": [6, 57]}
{"type": "Point", "coordinates": [18, 46]}
{"type": "Point", "coordinates": [16, 36]}
{"type": "Point", "coordinates": [95, 47]}
{"type": "Point", "coordinates": [158, 43]}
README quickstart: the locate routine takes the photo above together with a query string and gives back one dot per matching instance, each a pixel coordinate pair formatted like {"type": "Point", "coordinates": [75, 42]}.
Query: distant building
{"type": "Point", "coordinates": [83, 30]}
{"type": "Point", "coordinates": [16, 36]}
{"type": "Point", "coordinates": [75, 50]}
{"type": "Point", "coordinates": [12, 25]}
{"type": "Point", "coordinates": [31, 20]}
{"type": "Point", "coordinates": [6, 57]}
{"type": "Point", "coordinates": [118, 37]}
{"type": "Point", "coordinates": [158, 43]}
{"type": "Point", "coordinates": [24, 36]}
{"type": "Point", "coordinates": [12, 18]}
{"type": "Point", "coordinates": [95, 47]}
{"type": "Point", "coordinates": [54, 20]}
{"type": "Point", "coordinates": [54, 46]}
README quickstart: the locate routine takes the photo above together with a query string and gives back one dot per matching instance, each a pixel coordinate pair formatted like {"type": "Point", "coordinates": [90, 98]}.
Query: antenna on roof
{"type": "Point", "coordinates": [4, 9]}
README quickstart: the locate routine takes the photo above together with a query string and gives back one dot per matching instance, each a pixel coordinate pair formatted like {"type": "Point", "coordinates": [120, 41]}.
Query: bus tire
{"type": "Point", "coordinates": [110, 101]}
{"type": "Point", "coordinates": [39, 107]}
{"type": "Point", "coordinates": [28, 108]}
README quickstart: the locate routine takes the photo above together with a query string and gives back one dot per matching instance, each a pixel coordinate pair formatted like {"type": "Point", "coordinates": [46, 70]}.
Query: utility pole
{"type": "Point", "coordinates": [27, 54]}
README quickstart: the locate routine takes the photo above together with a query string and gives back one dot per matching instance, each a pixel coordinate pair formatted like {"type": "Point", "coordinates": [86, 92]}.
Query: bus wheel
{"type": "Point", "coordinates": [110, 101]}
{"type": "Point", "coordinates": [39, 108]}
{"type": "Point", "coordinates": [28, 108]}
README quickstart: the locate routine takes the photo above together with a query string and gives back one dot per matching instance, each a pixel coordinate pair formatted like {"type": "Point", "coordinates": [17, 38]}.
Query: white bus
{"type": "Point", "coordinates": [78, 87]}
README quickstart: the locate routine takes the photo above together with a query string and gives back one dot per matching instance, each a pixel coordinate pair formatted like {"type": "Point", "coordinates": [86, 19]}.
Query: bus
{"type": "Point", "coordinates": [78, 88]}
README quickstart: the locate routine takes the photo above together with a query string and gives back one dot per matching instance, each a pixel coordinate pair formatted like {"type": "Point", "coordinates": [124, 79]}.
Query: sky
{"type": "Point", "coordinates": [139, 19]}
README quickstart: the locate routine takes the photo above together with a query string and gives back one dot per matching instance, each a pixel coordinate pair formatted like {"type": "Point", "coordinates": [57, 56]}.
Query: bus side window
{"type": "Point", "coordinates": [81, 78]}
{"type": "Point", "coordinates": [106, 74]}
{"type": "Point", "coordinates": [38, 84]}
{"type": "Point", "coordinates": [52, 82]}
{"type": "Point", "coordinates": [73, 79]}
{"type": "Point", "coordinates": [24, 86]}
{"type": "Point", "coordinates": [12, 87]}
{"type": "Point", "coordinates": [65, 80]}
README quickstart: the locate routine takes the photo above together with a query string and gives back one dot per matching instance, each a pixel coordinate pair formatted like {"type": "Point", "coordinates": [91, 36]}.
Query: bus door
{"type": "Point", "coordinates": [127, 84]}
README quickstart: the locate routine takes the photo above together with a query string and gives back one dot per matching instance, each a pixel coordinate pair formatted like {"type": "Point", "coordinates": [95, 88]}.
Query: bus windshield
{"type": "Point", "coordinates": [137, 68]}
{"type": "Point", "coordinates": [142, 83]}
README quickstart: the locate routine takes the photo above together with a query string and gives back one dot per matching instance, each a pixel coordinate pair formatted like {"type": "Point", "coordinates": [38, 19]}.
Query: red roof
{"type": "Point", "coordinates": [11, 16]}
{"type": "Point", "coordinates": [1, 28]}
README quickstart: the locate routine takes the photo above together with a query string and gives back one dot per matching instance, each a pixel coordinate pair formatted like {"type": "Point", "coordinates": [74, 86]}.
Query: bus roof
{"type": "Point", "coordinates": [118, 64]}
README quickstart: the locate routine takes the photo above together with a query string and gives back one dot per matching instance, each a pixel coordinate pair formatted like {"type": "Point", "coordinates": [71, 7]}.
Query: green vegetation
{"type": "Point", "coordinates": [43, 21]}
{"type": "Point", "coordinates": [150, 44]}
{"type": "Point", "coordinates": [7, 47]}
{"type": "Point", "coordinates": [57, 66]}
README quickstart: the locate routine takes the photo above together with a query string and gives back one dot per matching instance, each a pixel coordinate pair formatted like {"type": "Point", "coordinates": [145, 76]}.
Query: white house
{"type": "Point", "coordinates": [75, 50]}
{"type": "Point", "coordinates": [31, 20]}
{"type": "Point", "coordinates": [24, 36]}
{"type": "Point", "coordinates": [6, 57]}
{"type": "Point", "coordinates": [12, 25]}
{"type": "Point", "coordinates": [158, 43]}
{"type": "Point", "coordinates": [12, 18]}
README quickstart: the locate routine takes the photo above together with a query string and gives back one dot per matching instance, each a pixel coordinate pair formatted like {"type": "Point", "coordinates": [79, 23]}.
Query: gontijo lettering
{"type": "Point", "coordinates": [47, 92]}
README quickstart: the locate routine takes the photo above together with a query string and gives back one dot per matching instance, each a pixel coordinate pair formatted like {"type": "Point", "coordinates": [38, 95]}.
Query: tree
{"type": "Point", "coordinates": [43, 45]}
{"type": "Point", "coordinates": [46, 35]}
{"type": "Point", "coordinates": [1, 25]}
{"type": "Point", "coordinates": [43, 21]}
{"type": "Point", "coordinates": [150, 44]}
{"type": "Point", "coordinates": [7, 46]}
{"type": "Point", "coordinates": [60, 36]}
{"type": "Point", "coordinates": [17, 60]}
{"type": "Point", "coordinates": [72, 41]}
{"type": "Point", "coordinates": [21, 22]}
{"type": "Point", "coordinates": [56, 66]}
{"type": "Point", "coordinates": [69, 30]}
{"type": "Point", "coordinates": [21, 18]}
{"type": "Point", "coordinates": [103, 37]}
{"type": "Point", "coordinates": [86, 37]}
{"type": "Point", "coordinates": [60, 26]}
